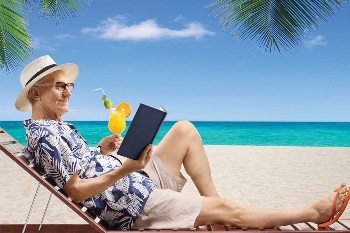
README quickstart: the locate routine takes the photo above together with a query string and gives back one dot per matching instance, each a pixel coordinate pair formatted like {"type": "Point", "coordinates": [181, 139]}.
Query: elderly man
{"type": "Point", "coordinates": [143, 193]}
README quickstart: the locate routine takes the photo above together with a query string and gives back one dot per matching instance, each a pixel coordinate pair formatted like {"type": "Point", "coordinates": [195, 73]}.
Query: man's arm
{"type": "Point", "coordinates": [81, 189]}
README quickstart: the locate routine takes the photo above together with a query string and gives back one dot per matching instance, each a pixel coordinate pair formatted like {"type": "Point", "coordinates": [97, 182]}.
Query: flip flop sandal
{"type": "Point", "coordinates": [336, 216]}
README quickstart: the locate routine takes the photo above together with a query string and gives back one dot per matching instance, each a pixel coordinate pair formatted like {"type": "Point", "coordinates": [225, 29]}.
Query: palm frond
{"type": "Point", "coordinates": [61, 9]}
{"type": "Point", "coordinates": [274, 24]}
{"type": "Point", "coordinates": [15, 40]}
{"type": "Point", "coordinates": [15, 47]}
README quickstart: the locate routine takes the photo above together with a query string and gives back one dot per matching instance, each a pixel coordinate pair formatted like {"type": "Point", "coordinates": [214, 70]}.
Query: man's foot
{"type": "Point", "coordinates": [324, 208]}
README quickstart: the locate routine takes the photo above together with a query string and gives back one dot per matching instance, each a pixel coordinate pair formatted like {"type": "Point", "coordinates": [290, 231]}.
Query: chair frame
{"type": "Point", "coordinates": [12, 148]}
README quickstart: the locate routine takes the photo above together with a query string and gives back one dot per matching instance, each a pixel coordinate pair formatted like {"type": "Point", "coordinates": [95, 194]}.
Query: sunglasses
{"type": "Point", "coordinates": [61, 86]}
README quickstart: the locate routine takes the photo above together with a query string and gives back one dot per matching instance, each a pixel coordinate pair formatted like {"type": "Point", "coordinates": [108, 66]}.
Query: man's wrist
{"type": "Point", "coordinates": [102, 150]}
{"type": "Point", "coordinates": [124, 170]}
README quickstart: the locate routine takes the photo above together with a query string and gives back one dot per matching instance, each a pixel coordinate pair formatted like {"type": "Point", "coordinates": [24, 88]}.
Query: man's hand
{"type": "Point", "coordinates": [130, 165]}
{"type": "Point", "coordinates": [110, 143]}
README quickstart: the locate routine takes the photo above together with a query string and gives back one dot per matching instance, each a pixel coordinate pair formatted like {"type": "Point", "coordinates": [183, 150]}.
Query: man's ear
{"type": "Point", "coordinates": [34, 92]}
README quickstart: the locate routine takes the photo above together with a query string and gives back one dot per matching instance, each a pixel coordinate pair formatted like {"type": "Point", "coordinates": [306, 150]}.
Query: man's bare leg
{"type": "Point", "coordinates": [183, 145]}
{"type": "Point", "coordinates": [224, 211]}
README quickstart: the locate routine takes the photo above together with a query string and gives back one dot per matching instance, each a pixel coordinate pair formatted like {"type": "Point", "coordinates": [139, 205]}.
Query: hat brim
{"type": "Point", "coordinates": [22, 101]}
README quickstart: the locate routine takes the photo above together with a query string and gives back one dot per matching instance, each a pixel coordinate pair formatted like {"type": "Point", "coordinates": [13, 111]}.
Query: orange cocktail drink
{"type": "Point", "coordinates": [116, 122]}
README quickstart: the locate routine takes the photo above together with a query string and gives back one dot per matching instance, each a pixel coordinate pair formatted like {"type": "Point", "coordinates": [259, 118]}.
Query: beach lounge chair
{"type": "Point", "coordinates": [12, 148]}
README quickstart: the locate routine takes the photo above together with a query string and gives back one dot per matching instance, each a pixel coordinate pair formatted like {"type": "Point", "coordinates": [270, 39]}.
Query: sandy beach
{"type": "Point", "coordinates": [276, 177]}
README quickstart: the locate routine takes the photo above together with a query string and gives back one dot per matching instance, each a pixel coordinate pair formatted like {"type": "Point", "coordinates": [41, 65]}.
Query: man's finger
{"type": "Point", "coordinates": [115, 136]}
{"type": "Point", "coordinates": [145, 152]}
{"type": "Point", "coordinates": [150, 150]}
{"type": "Point", "coordinates": [148, 158]}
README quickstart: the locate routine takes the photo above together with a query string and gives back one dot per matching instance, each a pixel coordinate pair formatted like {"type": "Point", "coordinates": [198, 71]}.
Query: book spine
{"type": "Point", "coordinates": [164, 115]}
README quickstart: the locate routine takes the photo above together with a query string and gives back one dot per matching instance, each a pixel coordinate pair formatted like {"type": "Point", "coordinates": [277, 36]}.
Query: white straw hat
{"type": "Point", "coordinates": [35, 71]}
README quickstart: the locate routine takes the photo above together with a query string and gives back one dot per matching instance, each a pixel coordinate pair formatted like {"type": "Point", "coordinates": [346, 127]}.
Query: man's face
{"type": "Point", "coordinates": [52, 100]}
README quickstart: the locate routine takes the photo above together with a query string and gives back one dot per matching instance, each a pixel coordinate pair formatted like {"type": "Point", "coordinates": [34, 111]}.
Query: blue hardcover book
{"type": "Point", "coordinates": [142, 131]}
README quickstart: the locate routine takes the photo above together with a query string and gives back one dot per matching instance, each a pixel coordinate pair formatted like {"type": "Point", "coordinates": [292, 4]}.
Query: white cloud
{"type": "Point", "coordinates": [63, 36]}
{"type": "Point", "coordinates": [178, 18]}
{"type": "Point", "coordinates": [316, 41]}
{"type": "Point", "coordinates": [116, 29]}
{"type": "Point", "coordinates": [39, 43]}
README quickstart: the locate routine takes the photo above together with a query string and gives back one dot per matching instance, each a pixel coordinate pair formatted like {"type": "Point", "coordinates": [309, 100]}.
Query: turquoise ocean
{"type": "Point", "coordinates": [319, 134]}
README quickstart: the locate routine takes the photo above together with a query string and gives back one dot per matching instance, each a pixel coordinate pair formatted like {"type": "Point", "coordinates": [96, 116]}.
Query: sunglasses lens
{"type": "Point", "coordinates": [70, 87]}
{"type": "Point", "coordinates": [61, 86]}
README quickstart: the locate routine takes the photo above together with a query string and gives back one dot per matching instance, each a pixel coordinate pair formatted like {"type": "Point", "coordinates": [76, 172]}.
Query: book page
{"type": "Point", "coordinates": [162, 109]}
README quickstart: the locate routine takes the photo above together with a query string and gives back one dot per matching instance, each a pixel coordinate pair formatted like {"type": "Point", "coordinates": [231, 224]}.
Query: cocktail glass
{"type": "Point", "coordinates": [116, 122]}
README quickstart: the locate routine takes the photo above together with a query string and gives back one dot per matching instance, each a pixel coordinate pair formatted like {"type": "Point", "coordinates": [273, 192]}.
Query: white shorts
{"type": "Point", "coordinates": [167, 208]}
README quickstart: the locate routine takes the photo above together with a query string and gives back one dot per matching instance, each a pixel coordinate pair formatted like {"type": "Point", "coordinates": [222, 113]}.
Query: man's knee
{"type": "Point", "coordinates": [185, 128]}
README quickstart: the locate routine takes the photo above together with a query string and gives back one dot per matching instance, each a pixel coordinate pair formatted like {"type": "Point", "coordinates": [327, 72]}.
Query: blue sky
{"type": "Point", "coordinates": [174, 54]}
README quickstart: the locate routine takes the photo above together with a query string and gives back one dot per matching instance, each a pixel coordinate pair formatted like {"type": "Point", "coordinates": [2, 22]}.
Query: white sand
{"type": "Point", "coordinates": [276, 177]}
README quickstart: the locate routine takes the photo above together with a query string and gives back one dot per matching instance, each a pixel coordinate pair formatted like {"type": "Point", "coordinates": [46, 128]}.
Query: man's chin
{"type": "Point", "coordinates": [65, 109]}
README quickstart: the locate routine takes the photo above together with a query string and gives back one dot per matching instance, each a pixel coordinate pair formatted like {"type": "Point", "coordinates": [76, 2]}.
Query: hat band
{"type": "Point", "coordinates": [40, 72]}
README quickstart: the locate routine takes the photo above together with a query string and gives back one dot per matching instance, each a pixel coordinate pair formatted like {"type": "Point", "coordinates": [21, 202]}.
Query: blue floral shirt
{"type": "Point", "coordinates": [58, 150]}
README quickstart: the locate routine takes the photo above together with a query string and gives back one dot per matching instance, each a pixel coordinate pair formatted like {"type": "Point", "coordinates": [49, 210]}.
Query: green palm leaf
{"type": "Point", "coordinates": [274, 24]}
{"type": "Point", "coordinates": [15, 46]}
{"type": "Point", "coordinates": [15, 40]}
{"type": "Point", "coordinates": [61, 9]}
